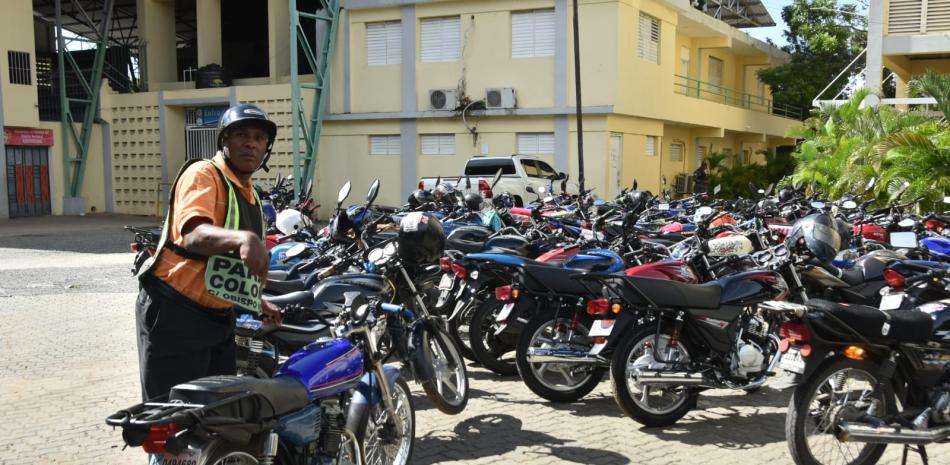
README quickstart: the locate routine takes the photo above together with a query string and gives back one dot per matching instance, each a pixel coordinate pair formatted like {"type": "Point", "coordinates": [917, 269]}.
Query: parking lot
{"type": "Point", "coordinates": [68, 359]}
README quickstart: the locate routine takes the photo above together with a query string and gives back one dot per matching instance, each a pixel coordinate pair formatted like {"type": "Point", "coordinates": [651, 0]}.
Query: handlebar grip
{"type": "Point", "coordinates": [390, 308]}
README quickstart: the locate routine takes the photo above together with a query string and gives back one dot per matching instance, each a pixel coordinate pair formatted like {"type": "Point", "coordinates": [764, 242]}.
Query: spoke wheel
{"type": "Point", "coordinates": [382, 445]}
{"type": "Point", "coordinates": [557, 382]}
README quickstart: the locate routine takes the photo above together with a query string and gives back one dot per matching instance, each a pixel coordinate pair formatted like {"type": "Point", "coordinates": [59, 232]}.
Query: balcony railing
{"type": "Point", "coordinates": [708, 91]}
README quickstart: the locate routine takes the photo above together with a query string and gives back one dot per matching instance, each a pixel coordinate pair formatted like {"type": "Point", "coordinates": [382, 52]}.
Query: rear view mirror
{"type": "Point", "coordinates": [768, 190]}
{"type": "Point", "coordinates": [529, 190]}
{"type": "Point", "coordinates": [561, 176]}
{"type": "Point", "coordinates": [295, 250]}
{"type": "Point", "coordinates": [663, 179]}
{"type": "Point", "coordinates": [797, 185]}
{"type": "Point", "coordinates": [904, 239]}
{"type": "Point", "coordinates": [717, 189]}
{"type": "Point", "coordinates": [343, 194]}
{"type": "Point", "coordinates": [849, 204]}
{"type": "Point", "coordinates": [373, 192]}
{"type": "Point", "coordinates": [634, 184]}
{"type": "Point", "coordinates": [818, 205]}
{"type": "Point", "coordinates": [871, 183]}
{"type": "Point", "coordinates": [907, 223]}
{"type": "Point", "coordinates": [497, 178]}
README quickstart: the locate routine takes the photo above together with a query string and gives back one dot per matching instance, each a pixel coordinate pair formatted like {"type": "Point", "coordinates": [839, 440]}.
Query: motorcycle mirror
{"type": "Point", "coordinates": [870, 184]}
{"type": "Point", "coordinates": [849, 204]}
{"type": "Point", "coordinates": [295, 250]}
{"type": "Point", "coordinates": [761, 191]}
{"type": "Point", "coordinates": [634, 184]}
{"type": "Point", "coordinates": [768, 190]}
{"type": "Point", "coordinates": [900, 192]}
{"type": "Point", "coordinates": [906, 222]}
{"type": "Point", "coordinates": [497, 178]}
{"type": "Point", "coordinates": [468, 183]}
{"type": "Point", "coordinates": [373, 192]}
{"type": "Point", "coordinates": [797, 185]}
{"type": "Point", "coordinates": [717, 189]}
{"type": "Point", "coordinates": [529, 190]}
{"type": "Point", "coordinates": [663, 180]}
{"type": "Point", "coordinates": [818, 205]}
{"type": "Point", "coordinates": [343, 194]}
{"type": "Point", "coordinates": [307, 189]}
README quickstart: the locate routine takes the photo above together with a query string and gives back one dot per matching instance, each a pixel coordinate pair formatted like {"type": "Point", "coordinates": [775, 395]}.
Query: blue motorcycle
{"type": "Point", "coordinates": [332, 402]}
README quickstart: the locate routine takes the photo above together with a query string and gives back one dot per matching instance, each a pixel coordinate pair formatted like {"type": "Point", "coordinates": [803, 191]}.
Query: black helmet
{"type": "Point", "coordinates": [503, 200]}
{"type": "Point", "coordinates": [421, 238]}
{"type": "Point", "coordinates": [467, 239]}
{"type": "Point", "coordinates": [785, 194]}
{"type": "Point", "coordinates": [818, 234]}
{"type": "Point", "coordinates": [420, 197]}
{"type": "Point", "coordinates": [340, 227]}
{"type": "Point", "coordinates": [473, 201]}
{"type": "Point", "coordinates": [636, 201]}
{"type": "Point", "coordinates": [247, 114]}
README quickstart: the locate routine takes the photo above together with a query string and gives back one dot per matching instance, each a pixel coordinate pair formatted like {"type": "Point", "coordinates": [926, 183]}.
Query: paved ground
{"type": "Point", "coordinates": [68, 358]}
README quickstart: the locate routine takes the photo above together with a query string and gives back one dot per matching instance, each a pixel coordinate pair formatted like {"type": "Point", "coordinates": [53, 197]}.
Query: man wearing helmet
{"type": "Point", "coordinates": [211, 259]}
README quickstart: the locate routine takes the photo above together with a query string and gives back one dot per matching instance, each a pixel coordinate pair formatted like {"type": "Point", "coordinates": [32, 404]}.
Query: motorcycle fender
{"type": "Point", "coordinates": [625, 321]}
{"type": "Point", "coordinates": [461, 304]}
{"type": "Point", "coordinates": [818, 357]}
{"type": "Point", "coordinates": [421, 370]}
{"type": "Point", "coordinates": [365, 395]}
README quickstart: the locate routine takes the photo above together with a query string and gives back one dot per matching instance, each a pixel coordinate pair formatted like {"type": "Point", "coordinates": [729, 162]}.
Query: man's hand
{"type": "Point", "coordinates": [254, 255]}
{"type": "Point", "coordinates": [270, 314]}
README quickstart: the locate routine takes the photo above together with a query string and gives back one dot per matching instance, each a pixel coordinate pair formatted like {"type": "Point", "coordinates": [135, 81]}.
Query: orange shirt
{"type": "Point", "coordinates": [200, 193]}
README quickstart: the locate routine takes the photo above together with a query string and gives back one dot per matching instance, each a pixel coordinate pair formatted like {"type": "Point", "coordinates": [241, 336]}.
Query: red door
{"type": "Point", "coordinates": [28, 190]}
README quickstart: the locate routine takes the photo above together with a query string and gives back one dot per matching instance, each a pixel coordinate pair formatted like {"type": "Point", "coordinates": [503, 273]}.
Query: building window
{"type": "Point", "coordinates": [536, 143]}
{"type": "Point", "coordinates": [684, 61]}
{"type": "Point", "coordinates": [715, 74]}
{"type": "Point", "coordinates": [651, 146]}
{"type": "Point", "coordinates": [384, 145]}
{"type": "Point", "coordinates": [649, 38]}
{"type": "Point", "coordinates": [20, 70]}
{"type": "Point", "coordinates": [438, 144]}
{"type": "Point", "coordinates": [676, 152]}
{"type": "Point", "coordinates": [532, 33]}
{"type": "Point", "coordinates": [441, 39]}
{"type": "Point", "coordinates": [384, 43]}
{"type": "Point", "coordinates": [700, 155]}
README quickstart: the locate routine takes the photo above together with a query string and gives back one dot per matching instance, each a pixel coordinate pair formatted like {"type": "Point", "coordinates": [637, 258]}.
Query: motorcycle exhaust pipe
{"type": "Point", "coordinates": [860, 432]}
{"type": "Point", "coordinates": [668, 378]}
{"type": "Point", "coordinates": [538, 355]}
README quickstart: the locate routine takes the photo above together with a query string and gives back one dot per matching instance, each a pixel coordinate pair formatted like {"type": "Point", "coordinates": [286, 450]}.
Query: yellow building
{"type": "Point", "coordinates": [416, 88]}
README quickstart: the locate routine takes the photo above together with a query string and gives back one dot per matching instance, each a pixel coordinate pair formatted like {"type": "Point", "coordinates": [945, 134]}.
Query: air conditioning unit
{"type": "Point", "coordinates": [443, 99]}
{"type": "Point", "coordinates": [684, 183]}
{"type": "Point", "coordinates": [503, 97]}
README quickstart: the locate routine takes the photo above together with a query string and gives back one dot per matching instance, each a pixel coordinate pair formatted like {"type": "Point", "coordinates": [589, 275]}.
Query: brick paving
{"type": "Point", "coordinates": [68, 358]}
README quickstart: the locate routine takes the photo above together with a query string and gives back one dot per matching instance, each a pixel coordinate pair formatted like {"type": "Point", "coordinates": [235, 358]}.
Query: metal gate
{"type": "Point", "coordinates": [200, 142]}
{"type": "Point", "coordinates": [28, 181]}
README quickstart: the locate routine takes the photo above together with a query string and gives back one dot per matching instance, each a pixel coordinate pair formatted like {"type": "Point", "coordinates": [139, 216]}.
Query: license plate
{"type": "Point", "coordinates": [792, 361]}
{"type": "Point", "coordinates": [446, 282]}
{"type": "Point", "coordinates": [188, 457]}
{"type": "Point", "coordinates": [505, 311]}
{"type": "Point", "coordinates": [601, 328]}
{"type": "Point", "coordinates": [892, 301]}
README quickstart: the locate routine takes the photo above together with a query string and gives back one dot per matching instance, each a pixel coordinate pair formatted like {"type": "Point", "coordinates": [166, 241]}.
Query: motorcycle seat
{"type": "Point", "coordinates": [905, 325]}
{"type": "Point", "coordinates": [282, 395]}
{"type": "Point", "coordinates": [301, 298]}
{"type": "Point", "coordinates": [277, 275]}
{"type": "Point", "coordinates": [666, 293]}
{"type": "Point", "coordinates": [278, 287]}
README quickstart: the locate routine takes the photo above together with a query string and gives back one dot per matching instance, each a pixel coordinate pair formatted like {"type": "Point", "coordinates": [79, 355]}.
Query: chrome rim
{"type": "Point", "coordinates": [555, 334]}
{"type": "Point", "coordinates": [658, 400]}
{"type": "Point", "coordinates": [450, 383]}
{"type": "Point", "coordinates": [383, 445]}
{"type": "Point", "coordinates": [844, 395]}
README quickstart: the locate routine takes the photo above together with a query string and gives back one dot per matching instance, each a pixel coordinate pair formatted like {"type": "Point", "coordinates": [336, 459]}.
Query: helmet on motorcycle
{"type": "Point", "coordinates": [340, 227]}
{"type": "Point", "coordinates": [290, 221]}
{"type": "Point", "coordinates": [246, 114]}
{"type": "Point", "coordinates": [818, 234]}
{"type": "Point", "coordinates": [636, 201]}
{"type": "Point", "coordinates": [421, 238]}
{"type": "Point", "coordinates": [785, 195]}
{"type": "Point", "coordinates": [503, 200]}
{"type": "Point", "coordinates": [473, 201]}
{"type": "Point", "coordinates": [420, 197]}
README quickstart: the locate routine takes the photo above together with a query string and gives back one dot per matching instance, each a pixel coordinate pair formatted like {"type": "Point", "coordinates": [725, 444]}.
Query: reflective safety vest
{"type": "Point", "coordinates": [226, 276]}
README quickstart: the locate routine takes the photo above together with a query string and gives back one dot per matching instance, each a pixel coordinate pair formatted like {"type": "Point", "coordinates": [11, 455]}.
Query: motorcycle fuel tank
{"type": "Point", "coordinates": [327, 367]}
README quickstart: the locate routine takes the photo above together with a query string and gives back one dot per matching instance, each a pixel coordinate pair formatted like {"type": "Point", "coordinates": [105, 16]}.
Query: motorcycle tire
{"type": "Point", "coordinates": [450, 374]}
{"type": "Point", "coordinates": [800, 411]}
{"type": "Point", "coordinates": [459, 331]}
{"type": "Point", "coordinates": [545, 387]}
{"type": "Point", "coordinates": [486, 347]}
{"type": "Point", "coordinates": [370, 444]}
{"type": "Point", "coordinates": [630, 402]}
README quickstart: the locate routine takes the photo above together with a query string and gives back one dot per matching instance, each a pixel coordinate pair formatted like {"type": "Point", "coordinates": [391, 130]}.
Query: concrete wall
{"type": "Point", "coordinates": [16, 34]}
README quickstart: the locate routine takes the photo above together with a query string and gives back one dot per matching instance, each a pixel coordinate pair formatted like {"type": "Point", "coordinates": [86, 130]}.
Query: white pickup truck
{"type": "Point", "coordinates": [518, 172]}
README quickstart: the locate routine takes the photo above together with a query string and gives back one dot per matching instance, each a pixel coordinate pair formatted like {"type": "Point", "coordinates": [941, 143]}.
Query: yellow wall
{"type": "Point", "coordinates": [373, 88]}
{"type": "Point", "coordinates": [16, 33]}
{"type": "Point", "coordinates": [93, 186]}
{"type": "Point", "coordinates": [136, 153]}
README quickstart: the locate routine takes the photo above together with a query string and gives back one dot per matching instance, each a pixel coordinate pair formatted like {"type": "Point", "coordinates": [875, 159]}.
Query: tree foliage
{"type": "Point", "coordinates": [823, 37]}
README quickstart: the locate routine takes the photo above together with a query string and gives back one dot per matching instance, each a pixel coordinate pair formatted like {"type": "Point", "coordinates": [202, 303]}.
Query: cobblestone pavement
{"type": "Point", "coordinates": [68, 358]}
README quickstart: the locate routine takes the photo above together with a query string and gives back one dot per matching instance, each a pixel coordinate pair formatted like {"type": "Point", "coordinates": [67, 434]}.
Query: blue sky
{"type": "Point", "coordinates": [775, 32]}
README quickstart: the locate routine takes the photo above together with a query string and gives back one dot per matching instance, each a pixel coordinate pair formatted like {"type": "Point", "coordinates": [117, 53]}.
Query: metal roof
{"type": "Point", "coordinates": [738, 13]}
{"type": "Point", "coordinates": [82, 17]}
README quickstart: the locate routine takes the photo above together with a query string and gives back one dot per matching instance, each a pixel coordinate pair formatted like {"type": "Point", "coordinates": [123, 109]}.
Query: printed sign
{"type": "Point", "coordinates": [229, 279]}
{"type": "Point", "coordinates": [28, 136]}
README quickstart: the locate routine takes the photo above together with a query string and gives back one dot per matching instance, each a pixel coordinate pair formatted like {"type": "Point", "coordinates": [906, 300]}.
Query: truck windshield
{"type": "Point", "coordinates": [488, 167]}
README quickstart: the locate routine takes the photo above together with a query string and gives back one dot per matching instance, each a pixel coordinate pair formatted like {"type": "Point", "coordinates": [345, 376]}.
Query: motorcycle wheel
{"type": "Point", "coordinates": [649, 405]}
{"type": "Point", "coordinates": [381, 445]}
{"type": "Point", "coordinates": [489, 350]}
{"type": "Point", "coordinates": [839, 391]}
{"type": "Point", "coordinates": [557, 382]}
{"type": "Point", "coordinates": [449, 390]}
{"type": "Point", "coordinates": [459, 330]}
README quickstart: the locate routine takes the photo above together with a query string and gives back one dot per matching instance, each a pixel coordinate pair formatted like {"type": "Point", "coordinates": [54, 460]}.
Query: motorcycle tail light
{"type": "Point", "coordinates": [934, 225]}
{"type": "Point", "coordinates": [445, 263]}
{"type": "Point", "coordinates": [484, 189]}
{"type": "Point", "coordinates": [157, 437]}
{"type": "Point", "coordinates": [894, 279]}
{"type": "Point", "coordinates": [795, 331]}
{"type": "Point", "coordinates": [134, 247]}
{"type": "Point", "coordinates": [598, 306]}
{"type": "Point", "coordinates": [459, 270]}
{"type": "Point", "coordinates": [503, 293]}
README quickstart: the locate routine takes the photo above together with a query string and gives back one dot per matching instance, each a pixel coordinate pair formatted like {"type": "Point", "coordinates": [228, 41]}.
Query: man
{"type": "Point", "coordinates": [185, 310]}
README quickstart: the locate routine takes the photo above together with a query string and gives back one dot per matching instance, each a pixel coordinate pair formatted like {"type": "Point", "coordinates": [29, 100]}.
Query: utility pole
{"type": "Point", "coordinates": [577, 94]}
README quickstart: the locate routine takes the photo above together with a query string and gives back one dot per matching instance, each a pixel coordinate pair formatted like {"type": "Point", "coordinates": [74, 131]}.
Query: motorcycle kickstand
{"type": "Point", "coordinates": [920, 449]}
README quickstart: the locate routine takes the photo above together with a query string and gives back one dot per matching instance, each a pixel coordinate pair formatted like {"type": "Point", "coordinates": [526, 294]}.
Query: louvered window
{"type": "Point", "coordinates": [384, 145]}
{"type": "Point", "coordinates": [384, 43]}
{"type": "Point", "coordinates": [441, 39]}
{"type": "Point", "coordinates": [676, 152]}
{"type": "Point", "coordinates": [536, 143]}
{"type": "Point", "coordinates": [438, 144]}
{"type": "Point", "coordinates": [904, 17]}
{"type": "Point", "coordinates": [649, 38]}
{"type": "Point", "coordinates": [532, 33]}
{"type": "Point", "coordinates": [651, 146]}
{"type": "Point", "coordinates": [938, 15]}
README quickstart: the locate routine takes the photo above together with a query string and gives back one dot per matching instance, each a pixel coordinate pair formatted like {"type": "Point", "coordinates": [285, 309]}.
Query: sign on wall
{"type": "Point", "coordinates": [28, 136]}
